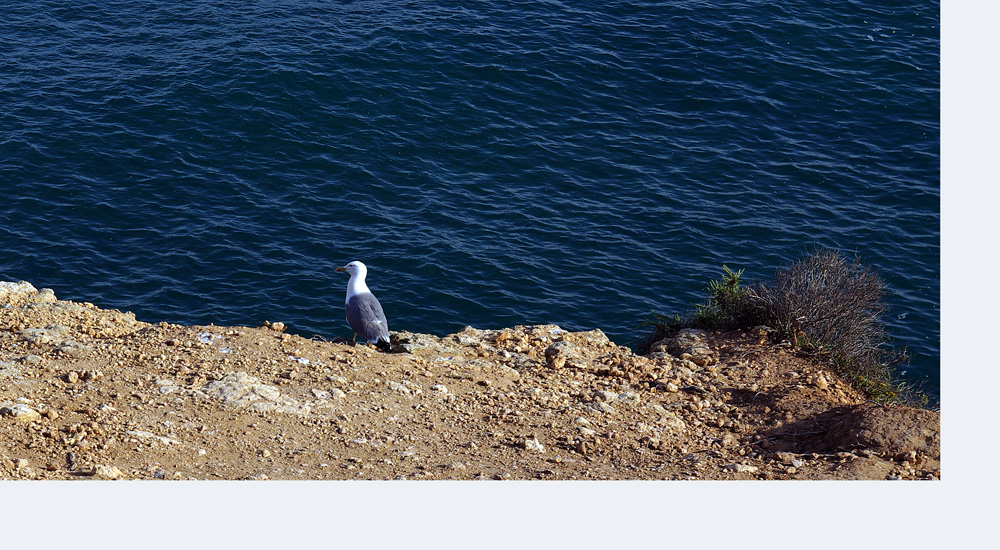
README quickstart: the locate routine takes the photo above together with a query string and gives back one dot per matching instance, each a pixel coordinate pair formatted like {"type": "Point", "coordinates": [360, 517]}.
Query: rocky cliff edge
{"type": "Point", "coordinates": [89, 393]}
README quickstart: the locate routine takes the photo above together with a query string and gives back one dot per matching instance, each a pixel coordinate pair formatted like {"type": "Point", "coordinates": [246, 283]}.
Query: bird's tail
{"type": "Point", "coordinates": [382, 345]}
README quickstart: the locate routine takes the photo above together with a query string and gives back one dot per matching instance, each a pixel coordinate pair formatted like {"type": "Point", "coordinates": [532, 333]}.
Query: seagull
{"type": "Point", "coordinates": [364, 313]}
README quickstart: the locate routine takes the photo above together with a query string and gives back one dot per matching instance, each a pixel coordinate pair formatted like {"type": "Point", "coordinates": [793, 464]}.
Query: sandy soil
{"type": "Point", "coordinates": [88, 393]}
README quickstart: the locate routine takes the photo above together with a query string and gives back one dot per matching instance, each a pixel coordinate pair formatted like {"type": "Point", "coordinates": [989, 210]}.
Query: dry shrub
{"type": "Point", "coordinates": [823, 303]}
{"type": "Point", "coordinates": [836, 304]}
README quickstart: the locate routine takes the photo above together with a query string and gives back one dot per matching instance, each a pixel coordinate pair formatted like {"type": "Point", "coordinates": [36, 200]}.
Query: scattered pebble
{"type": "Point", "coordinates": [670, 405]}
{"type": "Point", "coordinates": [740, 468]}
{"type": "Point", "coordinates": [141, 434]}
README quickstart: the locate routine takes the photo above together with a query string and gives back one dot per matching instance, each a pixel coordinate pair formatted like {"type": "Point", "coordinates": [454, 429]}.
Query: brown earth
{"type": "Point", "coordinates": [87, 393]}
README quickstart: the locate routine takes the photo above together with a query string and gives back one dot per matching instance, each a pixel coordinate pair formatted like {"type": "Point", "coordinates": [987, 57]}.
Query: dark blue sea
{"type": "Point", "coordinates": [493, 163]}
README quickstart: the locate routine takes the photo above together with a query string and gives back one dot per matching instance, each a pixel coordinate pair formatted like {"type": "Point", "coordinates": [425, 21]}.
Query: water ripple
{"type": "Point", "coordinates": [493, 162]}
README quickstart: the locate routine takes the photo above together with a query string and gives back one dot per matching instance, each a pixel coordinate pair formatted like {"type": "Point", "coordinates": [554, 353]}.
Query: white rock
{"type": "Point", "coordinates": [263, 406]}
{"type": "Point", "coordinates": [270, 393]}
{"type": "Point", "coordinates": [601, 406]}
{"type": "Point", "coordinates": [11, 290]}
{"type": "Point", "coordinates": [397, 387]}
{"type": "Point", "coordinates": [509, 372]}
{"type": "Point", "coordinates": [320, 394]}
{"type": "Point", "coordinates": [671, 422]}
{"type": "Point", "coordinates": [337, 393]}
{"type": "Point", "coordinates": [533, 444]}
{"type": "Point", "coordinates": [51, 334]}
{"type": "Point", "coordinates": [242, 390]}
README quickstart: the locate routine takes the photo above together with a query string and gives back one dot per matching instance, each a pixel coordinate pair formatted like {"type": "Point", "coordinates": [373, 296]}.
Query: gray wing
{"type": "Point", "coordinates": [366, 318]}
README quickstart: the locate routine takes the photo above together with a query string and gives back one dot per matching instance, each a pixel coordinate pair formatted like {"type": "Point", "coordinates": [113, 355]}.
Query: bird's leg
{"type": "Point", "coordinates": [355, 339]}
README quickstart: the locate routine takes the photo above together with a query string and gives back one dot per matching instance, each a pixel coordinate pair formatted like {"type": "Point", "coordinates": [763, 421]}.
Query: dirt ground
{"type": "Point", "coordinates": [88, 393]}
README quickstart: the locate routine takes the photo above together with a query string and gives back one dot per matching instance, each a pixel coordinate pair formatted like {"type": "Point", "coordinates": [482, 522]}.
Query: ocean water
{"type": "Point", "coordinates": [493, 163]}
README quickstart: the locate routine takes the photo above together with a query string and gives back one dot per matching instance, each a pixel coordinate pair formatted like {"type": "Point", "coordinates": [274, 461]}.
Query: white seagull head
{"type": "Point", "coordinates": [355, 269]}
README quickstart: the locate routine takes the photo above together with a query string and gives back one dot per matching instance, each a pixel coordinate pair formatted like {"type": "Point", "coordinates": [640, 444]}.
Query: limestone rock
{"type": "Point", "coordinates": [241, 390]}
{"type": "Point", "coordinates": [108, 472]}
{"type": "Point", "coordinates": [671, 422]}
{"type": "Point", "coordinates": [21, 413]}
{"type": "Point", "coordinates": [557, 353]}
{"type": "Point", "coordinates": [51, 334]}
{"type": "Point", "coordinates": [15, 293]}
{"type": "Point", "coordinates": [689, 344]}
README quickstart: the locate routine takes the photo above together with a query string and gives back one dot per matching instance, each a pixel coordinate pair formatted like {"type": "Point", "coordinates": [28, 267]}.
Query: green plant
{"type": "Point", "coordinates": [723, 308]}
